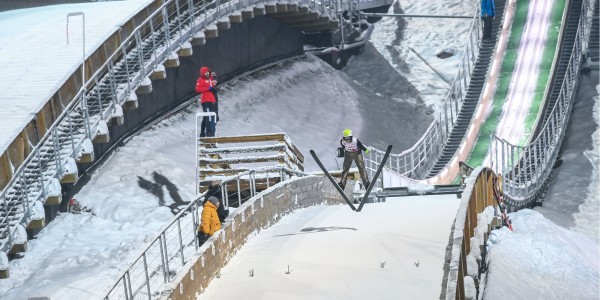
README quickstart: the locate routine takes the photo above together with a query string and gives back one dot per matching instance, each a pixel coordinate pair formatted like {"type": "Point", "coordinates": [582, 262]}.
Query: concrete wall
{"type": "Point", "coordinates": [253, 216]}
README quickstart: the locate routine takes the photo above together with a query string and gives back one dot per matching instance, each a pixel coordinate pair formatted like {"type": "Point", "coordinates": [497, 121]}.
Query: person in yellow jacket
{"type": "Point", "coordinates": [209, 221]}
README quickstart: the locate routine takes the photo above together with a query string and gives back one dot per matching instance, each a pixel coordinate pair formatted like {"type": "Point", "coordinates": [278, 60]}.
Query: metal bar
{"type": "Point", "coordinates": [415, 16]}
{"type": "Point", "coordinates": [41, 174]}
{"type": "Point", "coordinates": [125, 286]}
{"type": "Point", "coordinates": [147, 276]}
{"type": "Point", "coordinates": [162, 257]}
{"type": "Point", "coordinates": [167, 270]}
{"type": "Point", "coordinates": [129, 291]}
{"type": "Point", "coordinates": [180, 241]}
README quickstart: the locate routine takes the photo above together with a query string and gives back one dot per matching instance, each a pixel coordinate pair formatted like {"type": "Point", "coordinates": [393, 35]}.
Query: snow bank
{"type": "Point", "coordinates": [535, 253]}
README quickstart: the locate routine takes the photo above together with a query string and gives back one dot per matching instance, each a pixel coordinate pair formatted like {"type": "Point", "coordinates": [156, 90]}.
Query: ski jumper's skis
{"type": "Point", "coordinates": [374, 179]}
{"type": "Point", "coordinates": [497, 189]}
{"type": "Point", "coordinates": [332, 180]}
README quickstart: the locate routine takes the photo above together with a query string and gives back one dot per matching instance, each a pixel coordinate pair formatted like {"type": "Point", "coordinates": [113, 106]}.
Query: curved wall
{"type": "Point", "coordinates": [241, 48]}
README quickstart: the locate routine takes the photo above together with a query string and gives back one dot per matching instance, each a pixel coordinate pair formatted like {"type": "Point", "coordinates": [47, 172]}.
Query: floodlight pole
{"type": "Point", "coordinates": [83, 100]}
{"type": "Point", "coordinates": [74, 14]}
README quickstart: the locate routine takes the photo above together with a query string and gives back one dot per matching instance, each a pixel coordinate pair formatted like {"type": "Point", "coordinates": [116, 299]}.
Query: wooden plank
{"type": "Point", "coordinates": [296, 152]}
{"type": "Point", "coordinates": [228, 172]}
{"type": "Point", "coordinates": [244, 139]}
{"type": "Point", "coordinates": [41, 120]}
{"type": "Point", "coordinates": [252, 149]}
{"type": "Point", "coordinates": [18, 248]}
{"type": "Point", "coordinates": [240, 160]}
{"type": "Point", "coordinates": [5, 171]}
{"type": "Point", "coordinates": [16, 152]}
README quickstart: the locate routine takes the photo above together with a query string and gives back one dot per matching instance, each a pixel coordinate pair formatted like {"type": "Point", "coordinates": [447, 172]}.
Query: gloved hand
{"type": "Point", "coordinates": [367, 151]}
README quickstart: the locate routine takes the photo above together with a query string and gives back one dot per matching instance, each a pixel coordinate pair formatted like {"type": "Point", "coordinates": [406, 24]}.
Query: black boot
{"type": "Point", "coordinates": [343, 186]}
{"type": "Point", "coordinates": [366, 184]}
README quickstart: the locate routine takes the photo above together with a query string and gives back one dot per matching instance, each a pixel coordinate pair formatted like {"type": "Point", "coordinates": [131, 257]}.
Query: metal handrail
{"type": "Point", "coordinates": [123, 288]}
{"type": "Point", "coordinates": [526, 169]}
{"type": "Point", "coordinates": [416, 161]}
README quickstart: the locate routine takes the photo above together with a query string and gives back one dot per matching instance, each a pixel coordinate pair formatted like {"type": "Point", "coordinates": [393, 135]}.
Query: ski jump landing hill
{"type": "Point", "coordinates": [142, 72]}
{"type": "Point", "coordinates": [137, 67]}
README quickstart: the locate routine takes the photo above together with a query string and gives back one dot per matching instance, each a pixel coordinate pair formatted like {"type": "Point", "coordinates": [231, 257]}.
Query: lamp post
{"type": "Point", "coordinates": [74, 14]}
{"type": "Point", "coordinates": [84, 102]}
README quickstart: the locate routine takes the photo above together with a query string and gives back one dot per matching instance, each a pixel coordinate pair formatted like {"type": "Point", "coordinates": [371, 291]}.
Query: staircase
{"type": "Point", "coordinates": [484, 59]}
{"type": "Point", "coordinates": [222, 157]}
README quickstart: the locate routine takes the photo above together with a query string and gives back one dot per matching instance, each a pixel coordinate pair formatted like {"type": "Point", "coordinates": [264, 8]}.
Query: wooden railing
{"type": "Point", "coordinates": [220, 157]}
{"type": "Point", "coordinates": [477, 196]}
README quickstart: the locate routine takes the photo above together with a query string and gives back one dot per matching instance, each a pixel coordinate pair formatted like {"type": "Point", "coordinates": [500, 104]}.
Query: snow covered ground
{"type": "Point", "coordinates": [36, 59]}
{"type": "Point", "coordinates": [79, 256]}
{"type": "Point", "coordinates": [390, 250]}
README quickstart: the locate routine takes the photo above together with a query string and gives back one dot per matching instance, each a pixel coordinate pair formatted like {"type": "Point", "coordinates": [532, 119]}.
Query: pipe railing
{"type": "Point", "coordinates": [150, 44]}
{"type": "Point", "coordinates": [416, 161]}
{"type": "Point", "coordinates": [526, 169]}
{"type": "Point", "coordinates": [176, 243]}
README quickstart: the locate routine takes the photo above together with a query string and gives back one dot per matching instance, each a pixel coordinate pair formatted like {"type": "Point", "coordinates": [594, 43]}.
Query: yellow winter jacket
{"type": "Point", "coordinates": [209, 222]}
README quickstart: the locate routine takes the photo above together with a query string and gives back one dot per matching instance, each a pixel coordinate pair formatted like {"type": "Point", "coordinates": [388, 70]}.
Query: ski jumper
{"type": "Point", "coordinates": [353, 152]}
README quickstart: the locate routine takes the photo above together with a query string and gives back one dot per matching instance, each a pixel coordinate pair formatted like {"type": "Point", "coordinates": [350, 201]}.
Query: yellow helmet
{"type": "Point", "coordinates": [347, 132]}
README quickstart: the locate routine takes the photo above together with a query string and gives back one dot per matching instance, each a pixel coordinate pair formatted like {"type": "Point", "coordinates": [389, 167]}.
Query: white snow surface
{"type": "Point", "coordinates": [78, 256]}
{"type": "Point", "coordinates": [334, 253]}
{"type": "Point", "coordinates": [541, 260]}
{"type": "Point", "coordinates": [36, 59]}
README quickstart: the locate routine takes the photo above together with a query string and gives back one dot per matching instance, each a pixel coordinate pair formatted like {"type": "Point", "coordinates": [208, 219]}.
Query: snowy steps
{"type": "Point", "coordinates": [232, 155]}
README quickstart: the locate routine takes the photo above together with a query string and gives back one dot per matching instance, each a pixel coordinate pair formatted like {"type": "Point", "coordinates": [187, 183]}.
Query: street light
{"type": "Point", "coordinates": [84, 102]}
{"type": "Point", "coordinates": [74, 14]}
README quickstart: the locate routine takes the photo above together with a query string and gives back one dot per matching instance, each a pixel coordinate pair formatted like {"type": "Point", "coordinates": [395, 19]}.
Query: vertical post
{"type": "Point", "coordinates": [197, 159]}
{"type": "Point", "coordinates": [180, 241]}
{"type": "Point", "coordinates": [127, 71]}
{"type": "Point", "coordinates": [239, 192]}
{"type": "Point", "coordinates": [74, 14]}
{"type": "Point", "coordinates": [147, 276]}
{"type": "Point", "coordinates": [162, 258]}
{"type": "Point", "coordinates": [125, 289]}
{"type": "Point", "coordinates": [83, 99]}
{"type": "Point", "coordinates": [224, 195]}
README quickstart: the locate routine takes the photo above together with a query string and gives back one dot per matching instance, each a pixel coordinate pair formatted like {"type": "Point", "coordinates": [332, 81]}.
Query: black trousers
{"type": "Point", "coordinates": [357, 157]}
{"type": "Point", "coordinates": [209, 124]}
{"type": "Point", "coordinates": [487, 27]}
{"type": "Point", "coordinates": [202, 238]}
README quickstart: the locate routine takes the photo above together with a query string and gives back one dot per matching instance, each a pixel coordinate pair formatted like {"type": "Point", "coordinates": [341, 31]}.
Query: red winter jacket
{"type": "Point", "coordinates": [205, 87]}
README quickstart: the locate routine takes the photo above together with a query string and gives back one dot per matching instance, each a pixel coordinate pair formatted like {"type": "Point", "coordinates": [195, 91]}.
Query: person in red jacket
{"type": "Point", "coordinates": [206, 86]}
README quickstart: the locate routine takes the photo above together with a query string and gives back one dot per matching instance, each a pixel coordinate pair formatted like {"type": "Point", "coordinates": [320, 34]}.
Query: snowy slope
{"type": "Point", "coordinates": [78, 256]}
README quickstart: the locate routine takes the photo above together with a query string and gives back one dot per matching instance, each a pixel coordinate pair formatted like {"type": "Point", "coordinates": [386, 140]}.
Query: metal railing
{"type": "Point", "coordinates": [526, 169]}
{"type": "Point", "coordinates": [176, 244]}
{"type": "Point", "coordinates": [416, 161]}
{"type": "Point", "coordinates": [149, 45]}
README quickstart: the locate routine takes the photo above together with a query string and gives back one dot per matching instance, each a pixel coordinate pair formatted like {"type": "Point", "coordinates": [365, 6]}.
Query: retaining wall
{"type": "Point", "coordinates": [260, 212]}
